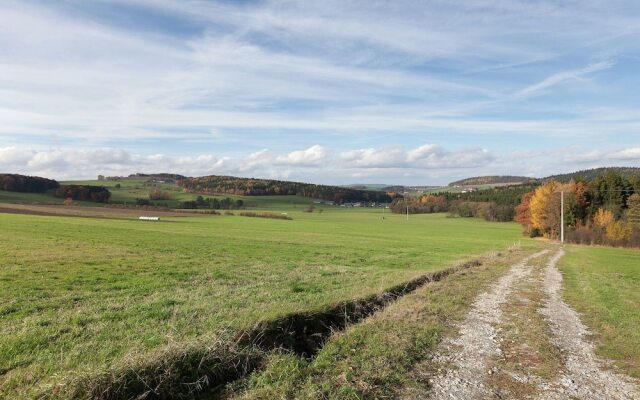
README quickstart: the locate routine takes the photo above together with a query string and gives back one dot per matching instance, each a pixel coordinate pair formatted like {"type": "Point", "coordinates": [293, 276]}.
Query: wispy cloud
{"type": "Point", "coordinates": [161, 75]}
{"type": "Point", "coordinates": [565, 76]}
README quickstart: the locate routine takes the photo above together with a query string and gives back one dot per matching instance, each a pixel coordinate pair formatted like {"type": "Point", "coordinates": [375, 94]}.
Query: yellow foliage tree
{"type": "Point", "coordinates": [540, 207]}
{"type": "Point", "coordinates": [603, 218]}
{"type": "Point", "coordinates": [618, 231]}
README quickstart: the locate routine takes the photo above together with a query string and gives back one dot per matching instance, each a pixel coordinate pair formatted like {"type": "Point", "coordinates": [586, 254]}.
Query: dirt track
{"type": "Point", "coordinates": [474, 359]}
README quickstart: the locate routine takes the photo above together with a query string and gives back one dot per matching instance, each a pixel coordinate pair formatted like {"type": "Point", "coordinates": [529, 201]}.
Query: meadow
{"type": "Point", "coordinates": [602, 284]}
{"type": "Point", "coordinates": [127, 191]}
{"type": "Point", "coordinates": [81, 296]}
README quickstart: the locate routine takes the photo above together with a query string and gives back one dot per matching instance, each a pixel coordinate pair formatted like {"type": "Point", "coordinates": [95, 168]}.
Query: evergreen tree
{"type": "Point", "coordinates": [633, 212]}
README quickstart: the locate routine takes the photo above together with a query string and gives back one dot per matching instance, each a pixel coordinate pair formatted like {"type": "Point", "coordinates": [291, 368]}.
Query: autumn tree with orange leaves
{"type": "Point", "coordinates": [523, 212]}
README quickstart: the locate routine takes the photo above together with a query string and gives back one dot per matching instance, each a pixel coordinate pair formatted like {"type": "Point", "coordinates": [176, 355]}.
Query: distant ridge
{"type": "Point", "coordinates": [589, 174]}
{"type": "Point", "coordinates": [216, 184]}
{"type": "Point", "coordinates": [365, 186]}
{"type": "Point", "coordinates": [492, 180]}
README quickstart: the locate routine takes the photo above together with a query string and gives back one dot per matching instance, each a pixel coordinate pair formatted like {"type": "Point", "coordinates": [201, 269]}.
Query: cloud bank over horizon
{"type": "Point", "coordinates": [428, 164]}
{"type": "Point", "coordinates": [333, 92]}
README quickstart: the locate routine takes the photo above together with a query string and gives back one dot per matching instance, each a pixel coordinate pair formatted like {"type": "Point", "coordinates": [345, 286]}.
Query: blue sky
{"type": "Point", "coordinates": [402, 92]}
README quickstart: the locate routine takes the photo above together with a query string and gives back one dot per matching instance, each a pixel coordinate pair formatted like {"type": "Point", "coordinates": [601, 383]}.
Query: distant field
{"type": "Point", "coordinates": [81, 295]}
{"type": "Point", "coordinates": [16, 197]}
{"type": "Point", "coordinates": [132, 189]}
{"type": "Point", "coordinates": [95, 212]}
{"type": "Point", "coordinates": [603, 284]}
{"type": "Point", "coordinates": [460, 189]}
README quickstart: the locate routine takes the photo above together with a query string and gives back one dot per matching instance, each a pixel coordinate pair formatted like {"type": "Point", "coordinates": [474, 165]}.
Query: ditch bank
{"type": "Point", "coordinates": [192, 371]}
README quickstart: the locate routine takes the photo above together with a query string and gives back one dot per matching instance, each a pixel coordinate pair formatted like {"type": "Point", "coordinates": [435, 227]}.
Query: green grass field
{"type": "Point", "coordinates": [17, 197]}
{"type": "Point", "coordinates": [603, 284]}
{"type": "Point", "coordinates": [129, 190]}
{"type": "Point", "coordinates": [80, 295]}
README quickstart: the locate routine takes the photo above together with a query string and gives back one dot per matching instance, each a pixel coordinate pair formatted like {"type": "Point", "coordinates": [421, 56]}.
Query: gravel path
{"type": "Point", "coordinates": [585, 376]}
{"type": "Point", "coordinates": [468, 356]}
{"type": "Point", "coordinates": [477, 342]}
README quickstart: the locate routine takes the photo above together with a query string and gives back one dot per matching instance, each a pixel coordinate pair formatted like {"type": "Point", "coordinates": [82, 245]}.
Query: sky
{"type": "Point", "coordinates": [334, 92]}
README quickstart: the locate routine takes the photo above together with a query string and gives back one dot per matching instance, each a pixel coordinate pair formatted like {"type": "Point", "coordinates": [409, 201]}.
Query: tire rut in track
{"type": "Point", "coordinates": [585, 376]}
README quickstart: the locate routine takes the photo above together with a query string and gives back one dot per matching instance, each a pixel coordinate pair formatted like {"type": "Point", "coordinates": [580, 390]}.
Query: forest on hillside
{"type": "Point", "coordinates": [591, 174]}
{"type": "Point", "coordinates": [488, 180]}
{"type": "Point", "coordinates": [26, 184]}
{"type": "Point", "coordinates": [261, 187]}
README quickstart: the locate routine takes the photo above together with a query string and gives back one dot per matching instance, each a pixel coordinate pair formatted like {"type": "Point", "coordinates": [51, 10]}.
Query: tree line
{"type": "Point", "coordinates": [458, 207]}
{"type": "Point", "coordinates": [492, 204]}
{"type": "Point", "coordinates": [212, 203]}
{"type": "Point", "coordinates": [98, 194]}
{"type": "Point", "coordinates": [604, 210]}
{"type": "Point", "coordinates": [26, 184]}
{"type": "Point", "coordinates": [260, 187]}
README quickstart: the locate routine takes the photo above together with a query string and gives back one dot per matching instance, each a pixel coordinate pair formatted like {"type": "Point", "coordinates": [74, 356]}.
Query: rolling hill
{"type": "Point", "coordinates": [589, 174]}
{"type": "Point", "coordinates": [216, 184]}
{"type": "Point", "coordinates": [492, 180]}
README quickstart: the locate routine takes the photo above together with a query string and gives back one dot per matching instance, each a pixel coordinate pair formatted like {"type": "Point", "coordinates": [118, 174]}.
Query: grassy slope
{"type": "Point", "coordinates": [452, 189]}
{"type": "Point", "coordinates": [603, 284]}
{"type": "Point", "coordinates": [132, 189]}
{"type": "Point", "coordinates": [80, 294]}
{"type": "Point", "coordinates": [17, 197]}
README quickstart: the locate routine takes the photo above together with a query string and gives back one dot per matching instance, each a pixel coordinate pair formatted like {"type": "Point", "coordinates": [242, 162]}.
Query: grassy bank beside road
{"type": "Point", "coordinates": [387, 356]}
{"type": "Point", "coordinates": [603, 284]}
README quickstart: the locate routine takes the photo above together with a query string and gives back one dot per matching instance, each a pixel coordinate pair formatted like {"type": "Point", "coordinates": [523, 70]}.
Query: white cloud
{"type": "Point", "coordinates": [628, 155]}
{"type": "Point", "coordinates": [423, 165]}
{"type": "Point", "coordinates": [631, 154]}
{"type": "Point", "coordinates": [428, 156]}
{"type": "Point", "coordinates": [65, 163]}
{"type": "Point", "coordinates": [13, 157]}
{"type": "Point", "coordinates": [313, 156]}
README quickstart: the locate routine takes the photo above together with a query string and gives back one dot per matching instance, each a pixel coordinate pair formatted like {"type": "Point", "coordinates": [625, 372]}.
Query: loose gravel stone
{"type": "Point", "coordinates": [477, 341]}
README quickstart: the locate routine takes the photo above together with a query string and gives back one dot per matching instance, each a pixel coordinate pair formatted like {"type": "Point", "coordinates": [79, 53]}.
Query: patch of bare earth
{"type": "Point", "coordinates": [469, 355]}
{"type": "Point", "coordinates": [89, 212]}
{"type": "Point", "coordinates": [584, 376]}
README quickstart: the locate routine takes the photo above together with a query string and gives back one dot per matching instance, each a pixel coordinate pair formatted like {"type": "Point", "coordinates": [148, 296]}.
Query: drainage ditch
{"type": "Point", "coordinates": [212, 368]}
